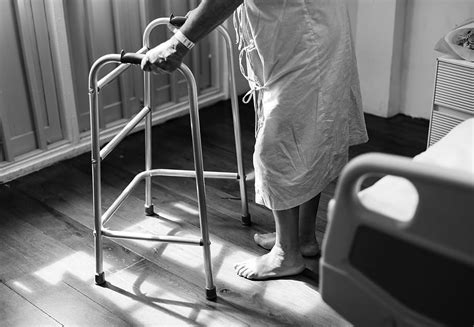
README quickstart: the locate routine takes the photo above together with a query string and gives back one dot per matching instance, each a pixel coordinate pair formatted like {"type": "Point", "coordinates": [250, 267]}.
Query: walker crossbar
{"type": "Point", "coordinates": [151, 237]}
{"type": "Point", "coordinates": [124, 132]}
{"type": "Point", "coordinates": [160, 172]}
{"type": "Point", "coordinates": [192, 173]}
{"type": "Point", "coordinates": [97, 155]}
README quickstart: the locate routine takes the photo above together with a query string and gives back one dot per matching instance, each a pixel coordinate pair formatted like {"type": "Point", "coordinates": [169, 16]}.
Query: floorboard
{"type": "Point", "coordinates": [47, 247]}
{"type": "Point", "coordinates": [15, 310]}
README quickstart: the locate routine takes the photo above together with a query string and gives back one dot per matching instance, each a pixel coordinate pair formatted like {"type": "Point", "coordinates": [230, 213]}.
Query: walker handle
{"type": "Point", "coordinates": [177, 21]}
{"type": "Point", "coordinates": [131, 58]}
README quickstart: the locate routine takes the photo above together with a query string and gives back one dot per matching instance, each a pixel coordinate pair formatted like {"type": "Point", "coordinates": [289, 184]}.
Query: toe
{"type": "Point", "coordinates": [242, 272]}
{"type": "Point", "coordinates": [240, 269]}
{"type": "Point", "coordinates": [251, 275]}
{"type": "Point", "coordinates": [246, 273]}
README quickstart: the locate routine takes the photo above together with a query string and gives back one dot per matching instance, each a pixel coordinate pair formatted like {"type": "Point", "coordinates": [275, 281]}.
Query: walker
{"type": "Point", "coordinates": [98, 154]}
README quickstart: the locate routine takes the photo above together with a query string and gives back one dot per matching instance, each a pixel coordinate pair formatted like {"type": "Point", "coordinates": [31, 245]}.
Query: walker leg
{"type": "Point", "coordinates": [200, 187]}
{"type": "Point", "coordinates": [98, 247]}
{"type": "Point", "coordinates": [149, 210]}
{"type": "Point", "coordinates": [210, 288]}
{"type": "Point", "coordinates": [99, 266]}
{"type": "Point", "coordinates": [246, 221]}
{"type": "Point", "coordinates": [96, 185]}
{"type": "Point", "coordinates": [211, 293]}
{"type": "Point", "coordinates": [100, 278]}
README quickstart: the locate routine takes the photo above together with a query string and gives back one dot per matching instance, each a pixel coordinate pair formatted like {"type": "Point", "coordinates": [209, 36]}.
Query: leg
{"type": "Point", "coordinates": [307, 227]}
{"type": "Point", "coordinates": [285, 258]}
{"type": "Point", "coordinates": [307, 230]}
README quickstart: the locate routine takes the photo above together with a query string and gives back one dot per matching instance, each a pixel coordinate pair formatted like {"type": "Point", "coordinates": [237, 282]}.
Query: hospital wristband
{"type": "Point", "coordinates": [183, 39]}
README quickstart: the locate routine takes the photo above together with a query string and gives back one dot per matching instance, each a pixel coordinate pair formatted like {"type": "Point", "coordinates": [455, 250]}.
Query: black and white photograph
{"type": "Point", "coordinates": [236, 163]}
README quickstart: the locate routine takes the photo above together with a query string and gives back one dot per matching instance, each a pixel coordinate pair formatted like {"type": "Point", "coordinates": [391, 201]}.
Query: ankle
{"type": "Point", "coordinates": [308, 239]}
{"type": "Point", "coordinates": [285, 251]}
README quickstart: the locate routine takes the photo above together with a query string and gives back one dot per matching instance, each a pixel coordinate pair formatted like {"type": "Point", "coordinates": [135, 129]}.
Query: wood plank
{"type": "Point", "coordinates": [61, 228]}
{"type": "Point", "coordinates": [57, 273]}
{"type": "Point", "coordinates": [43, 254]}
{"type": "Point", "coordinates": [35, 266]}
{"type": "Point", "coordinates": [15, 310]}
{"type": "Point", "coordinates": [157, 296]}
{"type": "Point", "coordinates": [145, 294]}
{"type": "Point", "coordinates": [65, 304]}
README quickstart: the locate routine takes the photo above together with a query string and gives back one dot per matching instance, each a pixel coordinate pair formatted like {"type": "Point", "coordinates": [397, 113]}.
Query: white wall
{"type": "Point", "coordinates": [378, 26]}
{"type": "Point", "coordinates": [426, 22]}
{"type": "Point", "coordinates": [395, 42]}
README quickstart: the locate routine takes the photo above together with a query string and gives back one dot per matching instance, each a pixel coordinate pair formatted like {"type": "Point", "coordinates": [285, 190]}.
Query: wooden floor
{"type": "Point", "coordinates": [46, 241]}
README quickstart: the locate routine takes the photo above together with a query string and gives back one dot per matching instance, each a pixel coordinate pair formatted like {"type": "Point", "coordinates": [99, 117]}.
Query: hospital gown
{"type": "Point", "coordinates": [302, 71]}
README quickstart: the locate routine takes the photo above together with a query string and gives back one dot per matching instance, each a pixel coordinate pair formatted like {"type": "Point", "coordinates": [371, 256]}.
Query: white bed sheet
{"type": "Point", "coordinates": [397, 198]}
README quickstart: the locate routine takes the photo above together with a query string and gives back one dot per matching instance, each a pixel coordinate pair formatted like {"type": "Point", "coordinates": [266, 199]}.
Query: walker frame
{"type": "Point", "coordinates": [98, 154]}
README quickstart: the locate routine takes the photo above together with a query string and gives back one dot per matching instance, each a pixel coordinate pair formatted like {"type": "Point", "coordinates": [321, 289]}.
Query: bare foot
{"type": "Point", "coordinates": [267, 241]}
{"type": "Point", "coordinates": [274, 264]}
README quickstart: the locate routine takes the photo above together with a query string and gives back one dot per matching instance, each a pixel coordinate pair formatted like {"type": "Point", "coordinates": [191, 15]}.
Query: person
{"type": "Point", "coordinates": [302, 73]}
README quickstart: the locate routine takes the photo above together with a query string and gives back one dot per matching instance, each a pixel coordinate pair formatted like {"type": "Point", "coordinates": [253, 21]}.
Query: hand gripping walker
{"type": "Point", "coordinates": [125, 59]}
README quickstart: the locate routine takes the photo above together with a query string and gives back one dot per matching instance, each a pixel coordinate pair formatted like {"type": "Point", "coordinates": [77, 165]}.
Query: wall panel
{"type": "Point", "coordinates": [48, 47]}
{"type": "Point", "coordinates": [108, 26]}
{"type": "Point", "coordinates": [29, 100]}
{"type": "Point", "coordinates": [47, 81]}
{"type": "Point", "coordinates": [14, 96]}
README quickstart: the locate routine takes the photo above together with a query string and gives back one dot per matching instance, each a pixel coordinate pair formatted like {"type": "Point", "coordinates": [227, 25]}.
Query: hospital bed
{"type": "Point", "coordinates": [401, 252]}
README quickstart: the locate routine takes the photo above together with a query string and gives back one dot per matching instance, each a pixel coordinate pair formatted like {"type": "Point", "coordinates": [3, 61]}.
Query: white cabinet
{"type": "Point", "coordinates": [453, 98]}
